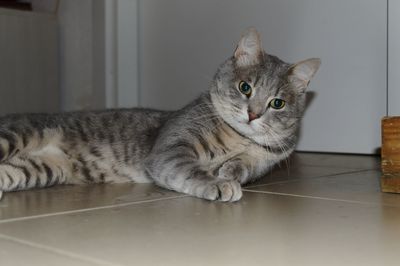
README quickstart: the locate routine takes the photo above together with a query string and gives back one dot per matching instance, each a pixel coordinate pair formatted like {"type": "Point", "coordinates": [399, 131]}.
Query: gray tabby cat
{"type": "Point", "coordinates": [232, 134]}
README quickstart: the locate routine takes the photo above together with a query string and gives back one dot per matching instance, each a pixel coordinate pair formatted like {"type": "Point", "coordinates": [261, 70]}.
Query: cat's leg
{"type": "Point", "coordinates": [10, 144]}
{"type": "Point", "coordinates": [21, 138]}
{"type": "Point", "coordinates": [243, 169]}
{"type": "Point", "coordinates": [21, 173]}
{"type": "Point", "coordinates": [194, 181]}
{"type": "Point", "coordinates": [197, 182]}
{"type": "Point", "coordinates": [180, 171]}
{"type": "Point", "coordinates": [16, 138]}
{"type": "Point", "coordinates": [235, 169]}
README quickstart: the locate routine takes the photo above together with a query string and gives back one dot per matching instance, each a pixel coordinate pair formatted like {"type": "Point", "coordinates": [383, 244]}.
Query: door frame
{"type": "Point", "coordinates": [121, 53]}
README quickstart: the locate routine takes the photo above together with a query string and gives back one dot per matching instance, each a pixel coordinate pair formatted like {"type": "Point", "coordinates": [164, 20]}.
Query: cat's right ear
{"type": "Point", "coordinates": [249, 49]}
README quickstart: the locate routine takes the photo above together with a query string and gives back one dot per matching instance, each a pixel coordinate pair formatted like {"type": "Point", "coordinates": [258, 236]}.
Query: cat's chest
{"type": "Point", "coordinates": [224, 144]}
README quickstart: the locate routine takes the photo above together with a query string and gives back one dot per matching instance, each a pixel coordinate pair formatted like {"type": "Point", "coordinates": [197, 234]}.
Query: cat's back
{"type": "Point", "coordinates": [76, 132]}
{"type": "Point", "coordinates": [128, 118]}
{"type": "Point", "coordinates": [132, 119]}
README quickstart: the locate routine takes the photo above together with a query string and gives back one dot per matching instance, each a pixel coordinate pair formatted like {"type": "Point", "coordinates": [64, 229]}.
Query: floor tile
{"type": "Point", "coordinates": [310, 165]}
{"type": "Point", "coordinates": [283, 174]}
{"type": "Point", "coordinates": [16, 254]}
{"type": "Point", "coordinates": [365, 162]}
{"type": "Point", "coordinates": [362, 187]}
{"type": "Point", "coordinates": [261, 229]}
{"type": "Point", "coordinates": [68, 198]}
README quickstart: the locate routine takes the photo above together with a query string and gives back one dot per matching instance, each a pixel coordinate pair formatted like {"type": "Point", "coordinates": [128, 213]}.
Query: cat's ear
{"type": "Point", "coordinates": [301, 73]}
{"type": "Point", "coordinates": [249, 49]}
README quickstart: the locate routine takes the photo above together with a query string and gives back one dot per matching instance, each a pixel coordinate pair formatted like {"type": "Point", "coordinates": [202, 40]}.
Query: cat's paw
{"type": "Point", "coordinates": [223, 191]}
{"type": "Point", "coordinates": [231, 170]}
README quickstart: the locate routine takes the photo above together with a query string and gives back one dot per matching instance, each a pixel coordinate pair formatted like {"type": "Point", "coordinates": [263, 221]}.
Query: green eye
{"type": "Point", "coordinates": [245, 88]}
{"type": "Point", "coordinates": [277, 103]}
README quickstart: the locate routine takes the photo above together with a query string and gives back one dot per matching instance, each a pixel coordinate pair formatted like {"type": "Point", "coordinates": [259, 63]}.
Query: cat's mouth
{"type": "Point", "coordinates": [251, 127]}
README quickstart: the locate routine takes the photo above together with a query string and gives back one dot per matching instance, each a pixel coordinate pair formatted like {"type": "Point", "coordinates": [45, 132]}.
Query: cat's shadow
{"type": "Point", "coordinates": [310, 96]}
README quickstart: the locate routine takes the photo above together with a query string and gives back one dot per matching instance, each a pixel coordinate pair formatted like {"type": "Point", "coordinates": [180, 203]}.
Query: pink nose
{"type": "Point", "coordinates": [252, 116]}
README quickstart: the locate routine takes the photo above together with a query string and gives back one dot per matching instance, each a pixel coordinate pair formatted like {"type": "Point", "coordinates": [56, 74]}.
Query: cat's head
{"type": "Point", "coordinates": [259, 95]}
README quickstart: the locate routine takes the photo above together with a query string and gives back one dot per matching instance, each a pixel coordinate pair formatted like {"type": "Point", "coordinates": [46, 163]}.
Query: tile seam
{"type": "Point", "coordinates": [86, 209]}
{"type": "Point", "coordinates": [313, 177]}
{"type": "Point", "coordinates": [312, 197]}
{"type": "Point", "coordinates": [57, 251]}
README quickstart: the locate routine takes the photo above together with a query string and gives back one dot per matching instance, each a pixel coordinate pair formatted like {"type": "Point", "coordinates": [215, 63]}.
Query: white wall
{"type": "Point", "coordinates": [127, 53]}
{"type": "Point", "coordinates": [121, 53]}
{"type": "Point", "coordinates": [28, 62]}
{"type": "Point", "coordinates": [81, 51]}
{"type": "Point", "coordinates": [78, 55]}
{"type": "Point", "coordinates": [182, 42]}
{"type": "Point", "coordinates": [78, 71]}
{"type": "Point", "coordinates": [394, 59]}
{"type": "Point", "coordinates": [98, 53]}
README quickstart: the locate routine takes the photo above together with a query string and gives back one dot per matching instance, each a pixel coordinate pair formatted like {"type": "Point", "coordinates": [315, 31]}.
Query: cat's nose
{"type": "Point", "coordinates": [252, 116]}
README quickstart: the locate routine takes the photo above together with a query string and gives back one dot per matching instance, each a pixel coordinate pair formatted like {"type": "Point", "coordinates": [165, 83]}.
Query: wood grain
{"type": "Point", "coordinates": [390, 180]}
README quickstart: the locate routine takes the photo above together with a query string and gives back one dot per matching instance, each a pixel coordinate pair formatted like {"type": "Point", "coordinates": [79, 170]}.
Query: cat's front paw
{"type": "Point", "coordinates": [231, 170]}
{"type": "Point", "coordinates": [223, 191]}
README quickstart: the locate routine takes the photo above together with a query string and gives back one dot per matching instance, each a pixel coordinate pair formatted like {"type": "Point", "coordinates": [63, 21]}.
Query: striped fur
{"type": "Point", "coordinates": [207, 149]}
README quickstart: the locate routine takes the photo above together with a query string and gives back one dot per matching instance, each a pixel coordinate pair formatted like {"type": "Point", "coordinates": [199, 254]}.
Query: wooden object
{"type": "Point", "coordinates": [390, 181]}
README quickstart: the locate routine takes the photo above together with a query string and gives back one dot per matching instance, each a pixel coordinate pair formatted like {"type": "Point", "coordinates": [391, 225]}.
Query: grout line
{"type": "Point", "coordinates": [312, 177]}
{"type": "Point", "coordinates": [87, 209]}
{"type": "Point", "coordinates": [57, 251]}
{"type": "Point", "coordinates": [274, 183]}
{"type": "Point", "coordinates": [310, 197]}
{"type": "Point", "coordinates": [339, 167]}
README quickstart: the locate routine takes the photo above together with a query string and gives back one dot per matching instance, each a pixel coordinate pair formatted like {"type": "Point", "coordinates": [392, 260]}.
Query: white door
{"type": "Point", "coordinates": [394, 58]}
{"type": "Point", "coordinates": [181, 43]}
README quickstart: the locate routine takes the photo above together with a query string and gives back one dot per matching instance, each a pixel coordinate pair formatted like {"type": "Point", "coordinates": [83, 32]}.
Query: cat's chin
{"type": "Point", "coordinates": [253, 131]}
{"type": "Point", "coordinates": [250, 130]}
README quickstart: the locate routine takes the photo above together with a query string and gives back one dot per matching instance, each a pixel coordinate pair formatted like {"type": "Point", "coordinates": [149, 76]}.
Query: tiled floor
{"type": "Point", "coordinates": [323, 210]}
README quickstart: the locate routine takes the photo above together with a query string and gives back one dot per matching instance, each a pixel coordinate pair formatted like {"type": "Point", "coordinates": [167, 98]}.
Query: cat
{"type": "Point", "coordinates": [230, 135]}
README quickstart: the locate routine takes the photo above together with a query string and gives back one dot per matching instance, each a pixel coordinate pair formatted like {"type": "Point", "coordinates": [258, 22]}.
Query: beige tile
{"type": "Point", "coordinates": [17, 254]}
{"type": "Point", "coordinates": [362, 187]}
{"type": "Point", "coordinates": [350, 161]}
{"type": "Point", "coordinates": [68, 198]}
{"type": "Point", "coordinates": [261, 229]}
{"type": "Point", "coordinates": [283, 174]}
{"type": "Point", "coordinates": [309, 165]}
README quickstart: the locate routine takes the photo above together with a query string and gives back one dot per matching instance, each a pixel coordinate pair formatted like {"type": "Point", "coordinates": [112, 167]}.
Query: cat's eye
{"type": "Point", "coordinates": [245, 88]}
{"type": "Point", "coordinates": [277, 103]}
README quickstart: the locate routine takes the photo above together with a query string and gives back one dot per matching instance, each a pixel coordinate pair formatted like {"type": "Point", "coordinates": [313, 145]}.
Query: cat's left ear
{"type": "Point", "coordinates": [301, 73]}
{"type": "Point", "coordinates": [249, 49]}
